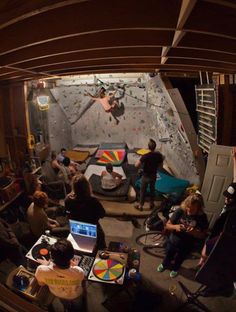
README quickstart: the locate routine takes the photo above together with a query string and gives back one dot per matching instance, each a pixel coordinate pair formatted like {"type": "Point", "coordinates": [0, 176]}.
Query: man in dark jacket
{"type": "Point", "coordinates": [150, 163]}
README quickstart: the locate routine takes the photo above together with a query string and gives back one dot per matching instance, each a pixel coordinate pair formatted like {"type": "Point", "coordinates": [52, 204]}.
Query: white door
{"type": "Point", "coordinates": [218, 175]}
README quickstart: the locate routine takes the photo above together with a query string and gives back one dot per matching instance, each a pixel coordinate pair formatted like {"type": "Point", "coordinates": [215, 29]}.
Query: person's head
{"type": "Point", "coordinates": [230, 194]}
{"type": "Point", "coordinates": [152, 145]}
{"type": "Point", "coordinates": [81, 186]}
{"type": "Point", "coordinates": [53, 155]}
{"type": "Point", "coordinates": [109, 167]}
{"type": "Point", "coordinates": [102, 92]}
{"type": "Point", "coordinates": [193, 204]}
{"type": "Point", "coordinates": [66, 161]}
{"type": "Point", "coordinates": [61, 253]}
{"type": "Point", "coordinates": [40, 199]}
{"type": "Point", "coordinates": [63, 151]}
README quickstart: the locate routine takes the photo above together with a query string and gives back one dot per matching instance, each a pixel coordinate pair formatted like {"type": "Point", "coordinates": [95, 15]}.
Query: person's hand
{"type": "Point", "coordinates": [74, 262]}
{"type": "Point", "coordinates": [56, 223]}
{"type": "Point", "coordinates": [43, 261]}
{"type": "Point", "coordinates": [179, 227]}
{"type": "Point", "coordinates": [189, 229]}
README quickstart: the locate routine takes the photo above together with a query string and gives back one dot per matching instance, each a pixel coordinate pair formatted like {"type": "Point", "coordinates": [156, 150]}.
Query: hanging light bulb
{"type": "Point", "coordinates": [42, 97]}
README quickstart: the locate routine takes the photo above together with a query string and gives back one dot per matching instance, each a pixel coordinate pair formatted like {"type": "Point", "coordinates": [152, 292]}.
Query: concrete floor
{"type": "Point", "coordinates": [155, 282]}
{"type": "Point", "coordinates": [151, 286]}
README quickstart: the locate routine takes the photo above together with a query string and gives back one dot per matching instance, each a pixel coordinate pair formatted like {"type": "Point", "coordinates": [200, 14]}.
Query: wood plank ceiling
{"type": "Point", "coordinates": [49, 38]}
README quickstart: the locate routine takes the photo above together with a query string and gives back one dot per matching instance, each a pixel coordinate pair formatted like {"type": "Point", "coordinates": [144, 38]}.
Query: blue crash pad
{"type": "Point", "coordinates": [167, 184]}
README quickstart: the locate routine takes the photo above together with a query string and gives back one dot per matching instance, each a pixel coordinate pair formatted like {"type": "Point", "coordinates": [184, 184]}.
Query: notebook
{"type": "Point", "coordinates": [83, 236]}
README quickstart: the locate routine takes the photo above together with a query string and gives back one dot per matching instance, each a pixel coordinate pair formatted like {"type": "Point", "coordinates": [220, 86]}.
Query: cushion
{"type": "Point", "coordinates": [120, 191]}
{"type": "Point", "coordinates": [116, 157]}
{"type": "Point", "coordinates": [167, 184]}
{"type": "Point", "coordinates": [79, 156]}
{"type": "Point", "coordinates": [86, 148]}
{"type": "Point", "coordinates": [112, 146]}
{"type": "Point", "coordinates": [132, 158]}
{"type": "Point", "coordinates": [142, 151]}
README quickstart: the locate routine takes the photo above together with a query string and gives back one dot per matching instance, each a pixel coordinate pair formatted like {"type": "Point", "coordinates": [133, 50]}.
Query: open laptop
{"type": "Point", "coordinates": [83, 236]}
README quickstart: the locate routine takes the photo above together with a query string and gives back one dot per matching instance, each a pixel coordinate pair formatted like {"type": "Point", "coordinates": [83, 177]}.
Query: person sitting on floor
{"type": "Point", "coordinates": [70, 167]}
{"type": "Point", "coordinates": [80, 205]}
{"type": "Point", "coordinates": [187, 225]}
{"type": "Point", "coordinates": [150, 162]}
{"type": "Point", "coordinates": [109, 178]}
{"type": "Point", "coordinates": [62, 275]}
{"type": "Point", "coordinates": [54, 162]}
{"type": "Point", "coordinates": [60, 157]}
{"type": "Point", "coordinates": [38, 219]}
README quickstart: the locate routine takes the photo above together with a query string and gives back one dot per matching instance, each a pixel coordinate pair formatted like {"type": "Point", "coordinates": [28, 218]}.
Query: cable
{"type": "Point", "coordinates": [146, 102]}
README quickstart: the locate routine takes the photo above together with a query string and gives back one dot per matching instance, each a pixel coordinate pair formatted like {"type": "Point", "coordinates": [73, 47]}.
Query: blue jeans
{"type": "Point", "coordinates": [145, 181]}
{"type": "Point", "coordinates": [174, 253]}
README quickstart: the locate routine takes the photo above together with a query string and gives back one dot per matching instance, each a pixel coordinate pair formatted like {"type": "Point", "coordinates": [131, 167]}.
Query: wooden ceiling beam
{"type": "Point", "coordinates": [105, 60]}
{"type": "Point", "coordinates": [185, 11]}
{"type": "Point", "coordinates": [93, 55]}
{"type": "Point", "coordinates": [26, 9]}
{"type": "Point", "coordinates": [229, 4]}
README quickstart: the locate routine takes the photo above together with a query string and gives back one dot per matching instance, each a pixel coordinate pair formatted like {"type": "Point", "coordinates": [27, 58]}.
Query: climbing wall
{"type": "Point", "coordinates": [59, 128]}
{"type": "Point", "coordinates": [148, 112]}
{"type": "Point", "coordinates": [170, 132]}
{"type": "Point", "coordinates": [91, 124]}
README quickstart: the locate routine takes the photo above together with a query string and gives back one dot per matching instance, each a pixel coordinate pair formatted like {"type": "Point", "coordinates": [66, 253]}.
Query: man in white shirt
{"type": "Point", "coordinates": [62, 275]}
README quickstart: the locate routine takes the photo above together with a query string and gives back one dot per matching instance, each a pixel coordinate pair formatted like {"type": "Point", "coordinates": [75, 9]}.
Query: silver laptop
{"type": "Point", "coordinates": [83, 236]}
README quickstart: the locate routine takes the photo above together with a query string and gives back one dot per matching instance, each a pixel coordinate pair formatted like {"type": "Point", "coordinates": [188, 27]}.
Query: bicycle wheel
{"type": "Point", "coordinates": [151, 239]}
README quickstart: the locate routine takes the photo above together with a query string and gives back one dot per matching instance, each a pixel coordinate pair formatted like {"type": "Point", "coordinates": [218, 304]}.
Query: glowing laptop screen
{"type": "Point", "coordinates": [83, 229]}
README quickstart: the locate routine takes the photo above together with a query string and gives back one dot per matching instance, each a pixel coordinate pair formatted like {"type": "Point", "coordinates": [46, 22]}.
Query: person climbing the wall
{"type": "Point", "coordinates": [108, 102]}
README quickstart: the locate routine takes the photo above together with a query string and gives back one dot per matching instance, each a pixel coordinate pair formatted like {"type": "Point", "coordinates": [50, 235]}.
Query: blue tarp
{"type": "Point", "coordinates": [167, 184]}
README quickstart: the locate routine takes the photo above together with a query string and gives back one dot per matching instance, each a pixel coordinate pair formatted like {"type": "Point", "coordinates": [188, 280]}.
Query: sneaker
{"type": "Point", "coordinates": [173, 274]}
{"type": "Point", "coordinates": [160, 268]}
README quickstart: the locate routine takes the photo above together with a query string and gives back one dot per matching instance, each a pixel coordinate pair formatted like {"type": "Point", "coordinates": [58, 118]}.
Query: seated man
{"type": "Point", "coordinates": [70, 167]}
{"type": "Point", "coordinates": [62, 275]}
{"type": "Point", "coordinates": [109, 178]}
{"type": "Point", "coordinates": [38, 219]}
{"type": "Point", "coordinates": [60, 157]}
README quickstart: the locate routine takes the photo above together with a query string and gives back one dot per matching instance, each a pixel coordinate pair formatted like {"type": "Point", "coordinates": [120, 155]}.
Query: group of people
{"type": "Point", "coordinates": [186, 226]}
{"type": "Point", "coordinates": [61, 273]}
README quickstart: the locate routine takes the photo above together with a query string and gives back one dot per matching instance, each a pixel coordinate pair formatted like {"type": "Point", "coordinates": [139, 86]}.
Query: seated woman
{"type": "Point", "coordinates": [109, 178]}
{"type": "Point", "coordinates": [82, 206]}
{"type": "Point", "coordinates": [187, 224]}
{"type": "Point", "coordinates": [38, 219]}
